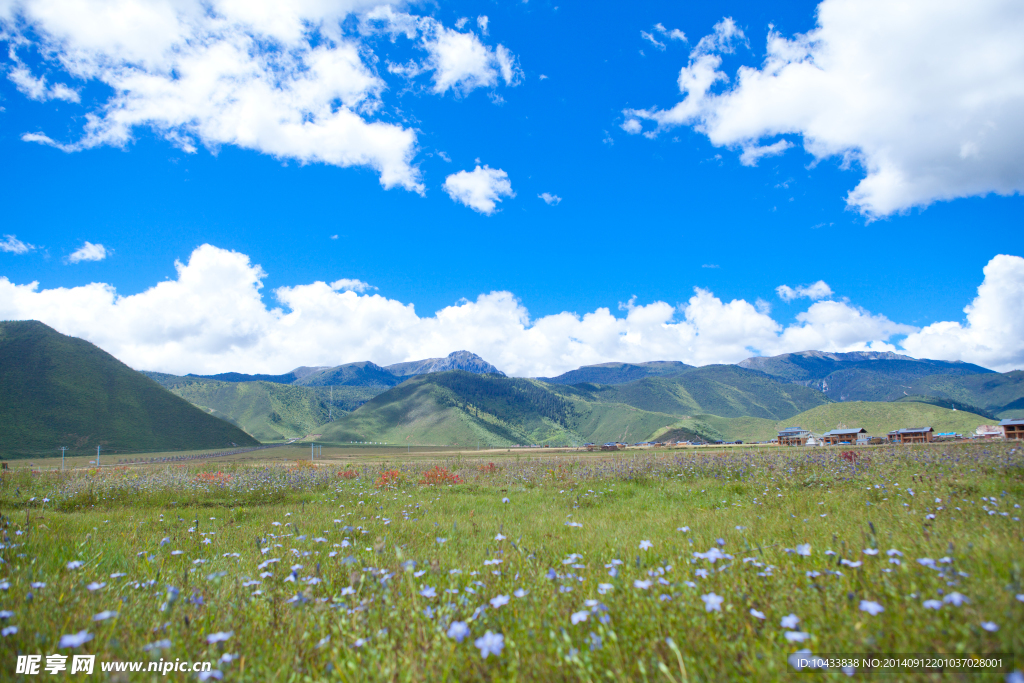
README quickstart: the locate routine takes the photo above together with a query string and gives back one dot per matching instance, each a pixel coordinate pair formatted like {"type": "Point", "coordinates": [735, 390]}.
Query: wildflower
{"type": "Point", "coordinates": [359, 642]}
{"type": "Point", "coordinates": [490, 644]}
{"type": "Point", "coordinates": [871, 551]}
{"type": "Point", "coordinates": [756, 614]}
{"type": "Point", "coordinates": [702, 573]}
{"type": "Point", "coordinates": [955, 599]}
{"type": "Point", "coordinates": [498, 601]}
{"type": "Point", "coordinates": [684, 529]}
{"type": "Point", "coordinates": [520, 593]}
{"type": "Point", "coordinates": [104, 615]}
{"type": "Point", "coordinates": [458, 631]}
{"type": "Point", "coordinates": [603, 588]}
{"type": "Point", "coordinates": [813, 574]}
{"type": "Point", "coordinates": [38, 584]}
{"type": "Point", "coordinates": [8, 631]}
{"type": "Point", "coordinates": [74, 564]}
{"type": "Point", "coordinates": [932, 604]}
{"type": "Point", "coordinates": [990, 626]}
{"type": "Point", "coordinates": [428, 592]}
{"type": "Point", "coordinates": [95, 586]}
{"type": "Point", "coordinates": [75, 639]}
{"type": "Point", "coordinates": [158, 645]}
{"type": "Point", "coordinates": [790, 621]}
{"type": "Point", "coordinates": [643, 585]}
{"type": "Point", "coordinates": [595, 641]}
{"type": "Point", "coordinates": [440, 541]}
{"type": "Point", "coordinates": [712, 602]}
{"type": "Point", "coordinates": [804, 550]}
{"type": "Point", "coordinates": [796, 636]}
{"type": "Point", "coordinates": [871, 607]}
{"type": "Point", "coordinates": [892, 552]}
{"type": "Point", "coordinates": [499, 537]}
{"type": "Point", "coordinates": [219, 637]}
{"type": "Point", "coordinates": [646, 545]}
{"type": "Point", "coordinates": [216, 674]}
{"type": "Point", "coordinates": [577, 617]}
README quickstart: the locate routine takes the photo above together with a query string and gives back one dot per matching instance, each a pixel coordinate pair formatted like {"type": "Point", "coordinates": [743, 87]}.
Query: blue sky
{"type": "Point", "coordinates": [640, 216]}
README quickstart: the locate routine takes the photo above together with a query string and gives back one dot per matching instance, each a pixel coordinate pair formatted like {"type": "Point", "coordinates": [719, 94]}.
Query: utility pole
{"type": "Point", "coordinates": [312, 448]}
{"type": "Point", "coordinates": [62, 449]}
{"type": "Point", "coordinates": [97, 456]}
{"type": "Point", "coordinates": [330, 407]}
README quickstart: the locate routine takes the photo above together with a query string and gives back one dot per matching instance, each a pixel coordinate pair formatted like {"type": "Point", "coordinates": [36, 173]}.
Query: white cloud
{"type": "Point", "coordinates": [710, 265]}
{"type": "Point", "coordinates": [482, 22]}
{"type": "Point", "coordinates": [12, 245]}
{"type": "Point", "coordinates": [282, 79]}
{"type": "Point", "coordinates": [993, 333]}
{"type": "Point", "coordinates": [88, 252]}
{"type": "Point", "coordinates": [926, 97]}
{"type": "Point", "coordinates": [35, 88]}
{"type": "Point", "coordinates": [818, 290]}
{"type": "Point", "coordinates": [347, 285]}
{"type": "Point", "coordinates": [550, 199]}
{"type": "Point", "coordinates": [652, 40]}
{"type": "Point", "coordinates": [213, 318]}
{"type": "Point", "coordinates": [752, 154]}
{"type": "Point", "coordinates": [480, 188]}
{"type": "Point", "coordinates": [458, 61]}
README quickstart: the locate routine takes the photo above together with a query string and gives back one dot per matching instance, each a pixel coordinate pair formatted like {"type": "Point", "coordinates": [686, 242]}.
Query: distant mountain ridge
{"type": "Point", "coordinates": [618, 373]}
{"type": "Point", "coordinates": [365, 373]}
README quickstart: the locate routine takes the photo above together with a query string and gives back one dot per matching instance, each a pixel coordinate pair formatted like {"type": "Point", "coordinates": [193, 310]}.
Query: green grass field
{"type": "Point", "coordinates": [688, 566]}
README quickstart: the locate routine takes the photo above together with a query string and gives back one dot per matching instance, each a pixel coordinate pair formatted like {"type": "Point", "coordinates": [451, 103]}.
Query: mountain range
{"type": "Point", "coordinates": [463, 399]}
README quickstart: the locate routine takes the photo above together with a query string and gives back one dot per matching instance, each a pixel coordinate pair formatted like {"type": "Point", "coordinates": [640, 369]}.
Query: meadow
{"type": "Point", "coordinates": [681, 566]}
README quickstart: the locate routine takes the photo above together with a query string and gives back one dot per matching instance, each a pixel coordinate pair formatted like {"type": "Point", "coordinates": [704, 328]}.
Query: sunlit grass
{"type": "Point", "coordinates": [178, 550]}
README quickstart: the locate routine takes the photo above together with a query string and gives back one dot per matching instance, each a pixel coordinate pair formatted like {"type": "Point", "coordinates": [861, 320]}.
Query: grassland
{"type": "Point", "coordinates": [693, 566]}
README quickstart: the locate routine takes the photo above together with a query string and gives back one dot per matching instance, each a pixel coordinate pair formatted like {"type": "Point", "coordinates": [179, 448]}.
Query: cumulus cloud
{"type": "Point", "coordinates": [283, 79]}
{"type": "Point", "coordinates": [819, 290]}
{"type": "Point", "coordinates": [12, 245]}
{"type": "Point", "coordinates": [550, 199]}
{"type": "Point", "coordinates": [993, 333]}
{"type": "Point", "coordinates": [458, 61]}
{"type": "Point", "coordinates": [88, 252]}
{"type": "Point", "coordinates": [480, 188]}
{"type": "Point", "coordinates": [214, 318]}
{"type": "Point", "coordinates": [927, 98]}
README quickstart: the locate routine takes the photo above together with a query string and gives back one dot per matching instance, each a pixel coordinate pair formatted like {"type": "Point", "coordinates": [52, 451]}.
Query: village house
{"type": "Point", "coordinates": [838, 436]}
{"type": "Point", "coordinates": [794, 436]}
{"type": "Point", "coordinates": [912, 435]}
{"type": "Point", "coordinates": [1012, 429]}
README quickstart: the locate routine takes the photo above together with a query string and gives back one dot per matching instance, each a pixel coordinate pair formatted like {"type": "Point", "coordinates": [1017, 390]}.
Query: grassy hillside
{"type": "Point", "coordinates": [62, 391]}
{"type": "Point", "coordinates": [725, 390]}
{"type": "Point", "coordinates": [881, 418]}
{"type": "Point", "coordinates": [1001, 395]}
{"type": "Point", "coordinates": [715, 428]}
{"type": "Point", "coordinates": [812, 366]}
{"type": "Point", "coordinates": [267, 410]}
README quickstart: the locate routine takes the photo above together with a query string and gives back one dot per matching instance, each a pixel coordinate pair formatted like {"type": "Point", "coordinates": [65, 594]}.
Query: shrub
{"type": "Point", "coordinates": [389, 480]}
{"type": "Point", "coordinates": [213, 477]}
{"type": "Point", "coordinates": [489, 468]}
{"type": "Point", "coordinates": [439, 476]}
{"type": "Point", "coordinates": [348, 474]}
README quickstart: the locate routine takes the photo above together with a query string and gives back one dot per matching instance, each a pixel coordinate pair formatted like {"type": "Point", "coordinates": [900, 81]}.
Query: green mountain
{"type": "Point", "coordinates": [870, 376]}
{"type": "Point", "coordinates": [365, 374]}
{"type": "Point", "coordinates": [617, 373]}
{"type": "Point", "coordinates": [267, 410]}
{"type": "Point", "coordinates": [724, 390]}
{"type": "Point", "coordinates": [462, 408]}
{"type": "Point", "coordinates": [57, 390]}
